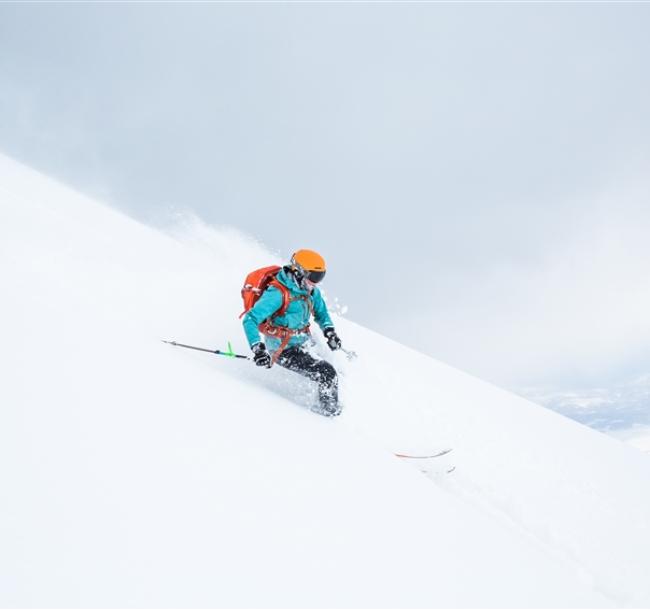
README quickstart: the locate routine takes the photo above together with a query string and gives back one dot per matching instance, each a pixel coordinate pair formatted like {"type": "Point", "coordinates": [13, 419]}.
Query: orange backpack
{"type": "Point", "coordinates": [257, 282]}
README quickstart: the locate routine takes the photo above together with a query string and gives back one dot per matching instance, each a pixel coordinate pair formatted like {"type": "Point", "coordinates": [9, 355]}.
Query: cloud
{"type": "Point", "coordinates": [442, 157]}
{"type": "Point", "coordinates": [577, 313]}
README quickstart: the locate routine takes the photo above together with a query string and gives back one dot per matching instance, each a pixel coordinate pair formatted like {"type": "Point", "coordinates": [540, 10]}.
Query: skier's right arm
{"type": "Point", "coordinates": [266, 306]}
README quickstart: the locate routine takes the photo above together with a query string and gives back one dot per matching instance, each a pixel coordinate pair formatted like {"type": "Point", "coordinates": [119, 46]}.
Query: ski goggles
{"type": "Point", "coordinates": [314, 276]}
{"type": "Point", "coordinates": [311, 276]}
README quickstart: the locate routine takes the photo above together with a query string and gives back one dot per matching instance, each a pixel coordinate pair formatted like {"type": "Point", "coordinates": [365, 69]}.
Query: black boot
{"type": "Point", "coordinates": [328, 392]}
{"type": "Point", "coordinates": [328, 407]}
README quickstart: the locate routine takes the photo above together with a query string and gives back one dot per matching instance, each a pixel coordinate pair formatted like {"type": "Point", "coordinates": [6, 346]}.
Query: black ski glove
{"type": "Point", "coordinates": [261, 357]}
{"type": "Point", "coordinates": [333, 340]}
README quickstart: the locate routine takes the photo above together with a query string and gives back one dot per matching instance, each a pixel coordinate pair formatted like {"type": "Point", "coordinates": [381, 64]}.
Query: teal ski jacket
{"type": "Point", "coordinates": [297, 314]}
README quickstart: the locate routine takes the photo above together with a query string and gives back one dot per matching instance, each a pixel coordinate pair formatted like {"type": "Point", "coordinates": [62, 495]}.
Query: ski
{"type": "Point", "coordinates": [423, 457]}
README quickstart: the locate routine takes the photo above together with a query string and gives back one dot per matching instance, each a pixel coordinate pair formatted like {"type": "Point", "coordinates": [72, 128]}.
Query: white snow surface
{"type": "Point", "coordinates": [133, 473]}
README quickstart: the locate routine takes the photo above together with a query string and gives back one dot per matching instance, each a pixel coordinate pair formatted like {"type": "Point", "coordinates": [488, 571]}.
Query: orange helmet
{"type": "Point", "coordinates": [309, 264]}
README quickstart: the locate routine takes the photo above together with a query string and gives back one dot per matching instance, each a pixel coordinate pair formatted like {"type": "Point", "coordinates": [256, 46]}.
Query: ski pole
{"type": "Point", "coordinates": [211, 351]}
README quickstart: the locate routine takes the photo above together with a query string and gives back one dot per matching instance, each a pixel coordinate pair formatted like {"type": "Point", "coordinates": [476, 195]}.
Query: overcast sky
{"type": "Point", "coordinates": [476, 175]}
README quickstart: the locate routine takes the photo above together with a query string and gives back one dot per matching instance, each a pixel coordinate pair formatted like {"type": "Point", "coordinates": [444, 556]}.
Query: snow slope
{"type": "Point", "coordinates": [137, 474]}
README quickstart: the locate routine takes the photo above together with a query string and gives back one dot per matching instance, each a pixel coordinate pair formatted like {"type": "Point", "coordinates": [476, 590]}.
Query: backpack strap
{"type": "Point", "coordinates": [286, 298]}
{"type": "Point", "coordinates": [283, 333]}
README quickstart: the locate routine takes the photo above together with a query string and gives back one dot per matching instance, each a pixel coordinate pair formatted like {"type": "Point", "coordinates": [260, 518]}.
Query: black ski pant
{"type": "Point", "coordinates": [300, 361]}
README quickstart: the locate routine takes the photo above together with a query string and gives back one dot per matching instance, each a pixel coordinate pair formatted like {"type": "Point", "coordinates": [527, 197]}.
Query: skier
{"type": "Point", "coordinates": [282, 314]}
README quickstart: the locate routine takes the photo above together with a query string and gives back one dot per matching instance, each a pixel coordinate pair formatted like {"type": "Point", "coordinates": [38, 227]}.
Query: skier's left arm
{"type": "Point", "coordinates": [322, 317]}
